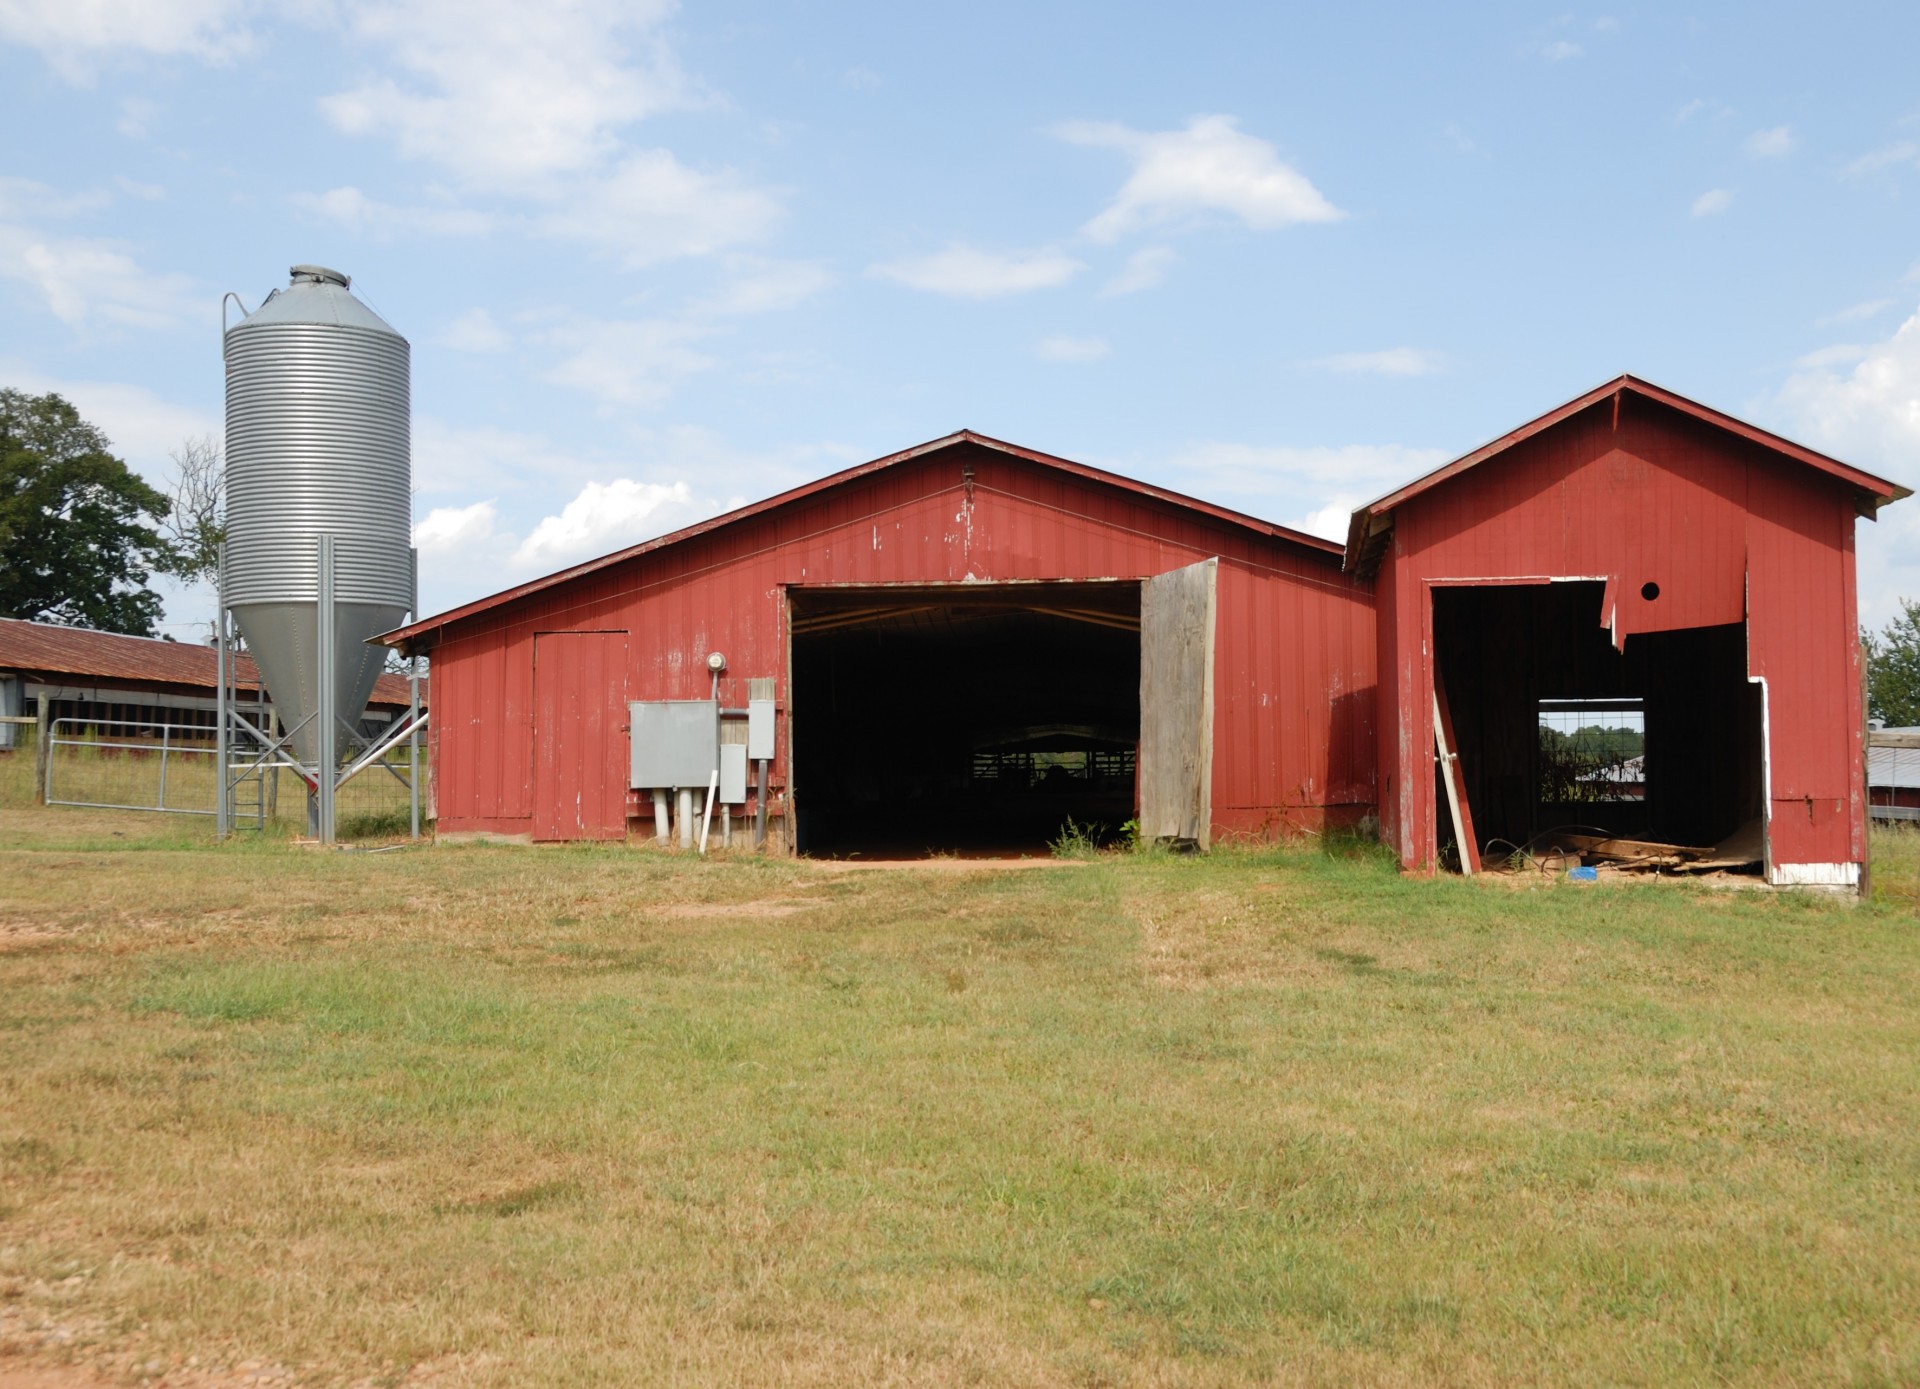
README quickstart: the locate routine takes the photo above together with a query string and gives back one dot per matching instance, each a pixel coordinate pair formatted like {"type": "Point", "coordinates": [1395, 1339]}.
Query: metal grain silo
{"type": "Point", "coordinates": [317, 445]}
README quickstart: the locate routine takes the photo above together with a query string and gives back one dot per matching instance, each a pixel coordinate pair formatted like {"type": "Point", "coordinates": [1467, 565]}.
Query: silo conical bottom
{"type": "Point", "coordinates": [284, 640]}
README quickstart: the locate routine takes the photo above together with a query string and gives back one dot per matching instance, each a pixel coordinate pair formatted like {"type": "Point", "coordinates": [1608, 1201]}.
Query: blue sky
{"type": "Point", "coordinates": [656, 260]}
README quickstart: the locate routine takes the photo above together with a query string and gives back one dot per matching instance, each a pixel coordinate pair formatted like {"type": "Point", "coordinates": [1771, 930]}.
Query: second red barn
{"type": "Point", "coordinates": [1635, 562]}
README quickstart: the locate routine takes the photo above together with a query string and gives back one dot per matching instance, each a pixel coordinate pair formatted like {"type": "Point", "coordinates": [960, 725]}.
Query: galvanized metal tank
{"type": "Point", "coordinates": [318, 422]}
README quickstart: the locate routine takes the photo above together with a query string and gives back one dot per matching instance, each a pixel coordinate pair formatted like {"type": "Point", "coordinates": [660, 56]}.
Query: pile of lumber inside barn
{"type": "Point", "coordinates": [1743, 849]}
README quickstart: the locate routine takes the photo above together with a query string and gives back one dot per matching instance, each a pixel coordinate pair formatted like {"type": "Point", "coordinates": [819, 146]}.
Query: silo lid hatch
{"type": "Point", "coordinates": [319, 274]}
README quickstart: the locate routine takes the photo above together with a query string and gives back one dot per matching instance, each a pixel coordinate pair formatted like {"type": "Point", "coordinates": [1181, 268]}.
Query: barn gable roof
{"type": "Point", "coordinates": [1372, 524]}
{"type": "Point", "coordinates": [404, 636]}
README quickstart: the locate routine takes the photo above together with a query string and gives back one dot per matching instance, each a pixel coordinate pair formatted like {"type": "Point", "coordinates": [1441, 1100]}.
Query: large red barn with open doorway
{"type": "Point", "coordinates": [938, 625]}
{"type": "Point", "coordinates": [969, 643]}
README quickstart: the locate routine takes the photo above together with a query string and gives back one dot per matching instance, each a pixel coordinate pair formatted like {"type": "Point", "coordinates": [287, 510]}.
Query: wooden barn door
{"type": "Point", "coordinates": [579, 735]}
{"type": "Point", "coordinates": [1176, 704]}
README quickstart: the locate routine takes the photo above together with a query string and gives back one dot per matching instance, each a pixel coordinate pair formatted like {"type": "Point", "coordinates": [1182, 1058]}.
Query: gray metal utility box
{"type": "Point", "coordinates": [676, 742]}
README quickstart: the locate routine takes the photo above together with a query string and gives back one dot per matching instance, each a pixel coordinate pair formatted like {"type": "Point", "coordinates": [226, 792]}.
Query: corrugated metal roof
{"type": "Point", "coordinates": [1872, 492]}
{"type": "Point", "coordinates": [1899, 767]}
{"type": "Point", "coordinates": [401, 635]}
{"type": "Point", "coordinates": [46, 648]}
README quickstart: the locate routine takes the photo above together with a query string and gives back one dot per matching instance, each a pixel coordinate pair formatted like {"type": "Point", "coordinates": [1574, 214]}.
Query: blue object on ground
{"type": "Point", "coordinates": [1584, 875]}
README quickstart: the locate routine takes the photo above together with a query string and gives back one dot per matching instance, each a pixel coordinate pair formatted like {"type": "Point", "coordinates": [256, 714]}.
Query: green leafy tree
{"type": "Point", "coordinates": [1893, 668]}
{"type": "Point", "coordinates": [76, 543]}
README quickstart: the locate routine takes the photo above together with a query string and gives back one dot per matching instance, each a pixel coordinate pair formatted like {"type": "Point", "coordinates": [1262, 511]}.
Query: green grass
{"type": "Point", "coordinates": [602, 1116]}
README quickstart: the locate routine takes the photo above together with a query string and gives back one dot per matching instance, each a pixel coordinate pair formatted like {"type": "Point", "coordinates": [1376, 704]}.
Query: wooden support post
{"type": "Point", "coordinates": [42, 749]}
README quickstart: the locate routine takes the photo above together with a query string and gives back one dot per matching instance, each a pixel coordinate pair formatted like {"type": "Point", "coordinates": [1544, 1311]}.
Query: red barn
{"type": "Point", "coordinates": [968, 643]}
{"type": "Point", "coordinates": [1640, 560]}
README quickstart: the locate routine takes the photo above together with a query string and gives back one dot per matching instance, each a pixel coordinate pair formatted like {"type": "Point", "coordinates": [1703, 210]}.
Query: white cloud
{"type": "Point", "coordinates": [507, 94]}
{"type": "Point", "coordinates": [1857, 313]}
{"type": "Point", "coordinates": [1560, 50]}
{"type": "Point", "coordinates": [136, 115]}
{"type": "Point", "coordinates": [651, 207]}
{"type": "Point", "coordinates": [76, 36]}
{"type": "Point", "coordinates": [605, 517]}
{"type": "Point", "coordinates": [25, 199]}
{"type": "Point", "coordinates": [860, 78]}
{"type": "Point", "coordinates": [766, 286]}
{"type": "Point", "coordinates": [449, 458]}
{"type": "Point", "coordinates": [636, 363]}
{"type": "Point", "coordinates": [532, 102]}
{"type": "Point", "coordinates": [1713, 202]}
{"type": "Point", "coordinates": [357, 212]}
{"type": "Point", "coordinates": [1901, 152]}
{"type": "Point", "coordinates": [1392, 361]}
{"type": "Point", "coordinates": [1310, 489]}
{"type": "Point", "coordinates": [1869, 416]}
{"type": "Point", "coordinates": [475, 331]}
{"type": "Point", "coordinates": [1838, 355]}
{"type": "Point", "coordinates": [966, 272]}
{"type": "Point", "coordinates": [452, 531]}
{"type": "Point", "coordinates": [1209, 167]}
{"type": "Point", "coordinates": [1067, 349]}
{"type": "Point", "coordinates": [84, 281]}
{"type": "Point", "coordinates": [1777, 143]}
{"type": "Point", "coordinates": [1145, 269]}
{"type": "Point", "coordinates": [1690, 110]}
{"type": "Point", "coordinates": [1873, 411]}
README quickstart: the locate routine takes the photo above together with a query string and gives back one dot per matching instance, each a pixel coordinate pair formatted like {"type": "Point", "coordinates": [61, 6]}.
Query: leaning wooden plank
{"type": "Point", "coordinates": [1457, 805]}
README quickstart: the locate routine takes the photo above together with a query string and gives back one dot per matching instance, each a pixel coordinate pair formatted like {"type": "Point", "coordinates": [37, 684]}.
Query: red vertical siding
{"type": "Point", "coordinates": [579, 735]}
{"type": "Point", "coordinates": [1295, 655]}
{"type": "Point", "coordinates": [1729, 530]}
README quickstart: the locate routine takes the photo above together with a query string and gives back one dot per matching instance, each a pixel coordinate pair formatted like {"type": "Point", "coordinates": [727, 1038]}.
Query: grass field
{"type": "Point", "coordinates": [498, 1116]}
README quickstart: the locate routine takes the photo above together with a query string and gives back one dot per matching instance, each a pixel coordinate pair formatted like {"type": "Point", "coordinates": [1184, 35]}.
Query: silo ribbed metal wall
{"type": "Point", "coordinates": [317, 441]}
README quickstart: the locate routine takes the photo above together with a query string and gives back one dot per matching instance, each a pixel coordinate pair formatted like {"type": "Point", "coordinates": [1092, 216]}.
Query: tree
{"type": "Point", "coordinates": [76, 545]}
{"type": "Point", "coordinates": [196, 524]}
{"type": "Point", "coordinates": [1893, 668]}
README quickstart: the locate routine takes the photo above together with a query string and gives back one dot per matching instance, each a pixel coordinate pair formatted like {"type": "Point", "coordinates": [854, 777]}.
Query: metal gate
{"type": "Point", "coordinates": [110, 764]}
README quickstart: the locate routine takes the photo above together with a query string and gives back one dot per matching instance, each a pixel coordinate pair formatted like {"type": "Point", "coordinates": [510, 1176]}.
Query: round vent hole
{"type": "Point", "coordinates": [1649, 591]}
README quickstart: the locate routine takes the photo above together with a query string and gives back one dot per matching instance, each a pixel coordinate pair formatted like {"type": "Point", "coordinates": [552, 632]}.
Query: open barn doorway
{"type": "Point", "coordinates": [1562, 738]}
{"type": "Point", "coordinates": [963, 718]}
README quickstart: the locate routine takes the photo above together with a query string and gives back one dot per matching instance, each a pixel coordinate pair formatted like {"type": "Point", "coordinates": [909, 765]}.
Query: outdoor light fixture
{"type": "Point", "coordinates": [716, 662]}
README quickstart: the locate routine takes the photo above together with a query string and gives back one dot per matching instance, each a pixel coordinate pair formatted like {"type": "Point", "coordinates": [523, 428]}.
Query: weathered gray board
{"type": "Point", "coordinates": [1176, 704]}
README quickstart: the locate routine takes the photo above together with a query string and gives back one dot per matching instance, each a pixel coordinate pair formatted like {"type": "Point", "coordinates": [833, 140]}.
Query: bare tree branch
{"type": "Point", "coordinates": [198, 521]}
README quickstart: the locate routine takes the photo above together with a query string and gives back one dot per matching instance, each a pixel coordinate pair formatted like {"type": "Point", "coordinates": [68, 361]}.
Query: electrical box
{"type": "Point", "coordinates": [760, 729]}
{"type": "Point", "coordinates": [733, 774]}
{"type": "Point", "coordinates": [674, 742]}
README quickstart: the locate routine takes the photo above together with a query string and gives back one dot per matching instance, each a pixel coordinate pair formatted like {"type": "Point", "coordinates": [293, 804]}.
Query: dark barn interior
{"type": "Point", "coordinates": [1515, 658]}
{"type": "Point", "coordinates": [977, 719]}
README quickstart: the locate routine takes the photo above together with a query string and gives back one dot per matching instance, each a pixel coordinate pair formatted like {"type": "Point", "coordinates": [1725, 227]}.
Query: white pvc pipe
{"type": "Point", "coordinates": [713, 794]}
{"type": "Point", "coordinates": [683, 815]}
{"type": "Point", "coordinates": [662, 833]}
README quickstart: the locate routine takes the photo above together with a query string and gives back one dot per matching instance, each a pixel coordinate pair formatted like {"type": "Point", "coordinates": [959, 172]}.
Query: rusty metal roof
{"type": "Point", "coordinates": [47, 649]}
{"type": "Point", "coordinates": [1366, 531]}
{"type": "Point", "coordinates": [402, 635]}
